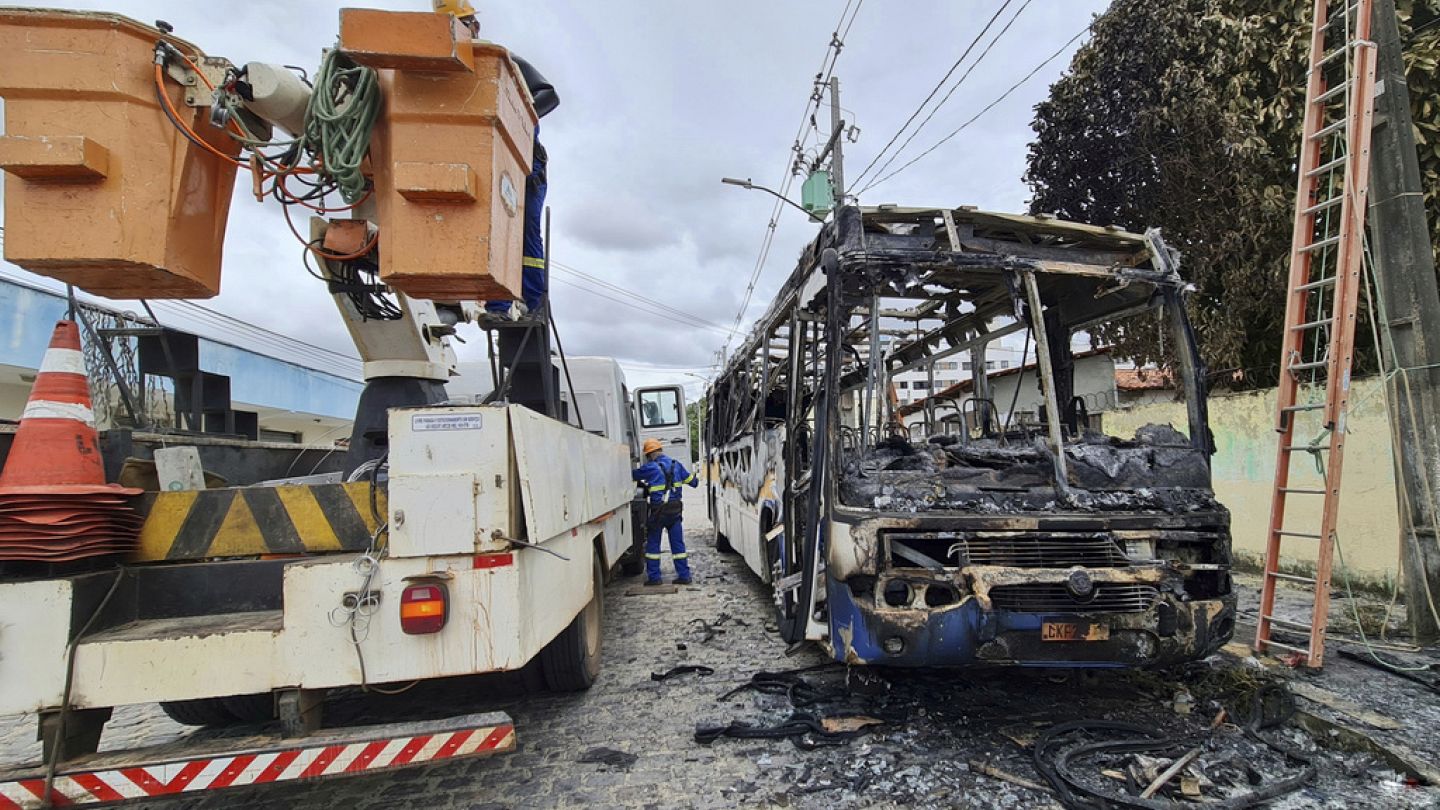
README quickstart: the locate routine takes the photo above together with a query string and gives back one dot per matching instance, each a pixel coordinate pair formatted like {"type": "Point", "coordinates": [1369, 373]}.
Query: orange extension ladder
{"type": "Point", "coordinates": [1327, 256]}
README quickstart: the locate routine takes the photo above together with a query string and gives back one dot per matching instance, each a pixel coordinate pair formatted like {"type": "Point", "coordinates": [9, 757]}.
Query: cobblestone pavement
{"type": "Point", "coordinates": [943, 729]}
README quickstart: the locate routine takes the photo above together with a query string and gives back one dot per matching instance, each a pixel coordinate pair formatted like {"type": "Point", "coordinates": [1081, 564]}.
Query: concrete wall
{"type": "Point", "coordinates": [1244, 470]}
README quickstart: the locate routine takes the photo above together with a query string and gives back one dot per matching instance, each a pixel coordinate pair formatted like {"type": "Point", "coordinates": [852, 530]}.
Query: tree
{"type": "Point", "coordinates": [695, 417]}
{"type": "Point", "coordinates": [1186, 115]}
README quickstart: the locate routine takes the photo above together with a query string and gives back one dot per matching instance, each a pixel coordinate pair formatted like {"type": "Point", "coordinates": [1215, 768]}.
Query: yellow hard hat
{"type": "Point", "coordinates": [652, 446]}
{"type": "Point", "coordinates": [456, 8]}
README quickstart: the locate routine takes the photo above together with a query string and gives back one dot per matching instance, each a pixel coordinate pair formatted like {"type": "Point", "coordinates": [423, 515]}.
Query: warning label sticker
{"type": "Point", "coordinates": [458, 421]}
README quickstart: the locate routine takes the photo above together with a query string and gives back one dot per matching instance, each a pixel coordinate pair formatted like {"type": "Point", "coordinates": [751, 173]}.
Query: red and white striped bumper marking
{"type": "Point", "coordinates": [183, 776]}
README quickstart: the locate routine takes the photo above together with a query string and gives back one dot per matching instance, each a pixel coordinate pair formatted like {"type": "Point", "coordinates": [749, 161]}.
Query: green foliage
{"type": "Point", "coordinates": [694, 416]}
{"type": "Point", "coordinates": [1186, 115]}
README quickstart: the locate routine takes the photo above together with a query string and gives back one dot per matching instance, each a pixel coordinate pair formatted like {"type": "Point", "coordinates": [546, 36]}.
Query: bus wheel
{"type": "Point", "coordinates": [571, 661]}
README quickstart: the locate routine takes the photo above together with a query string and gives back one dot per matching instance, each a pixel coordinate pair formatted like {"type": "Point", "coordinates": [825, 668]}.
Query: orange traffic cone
{"type": "Point", "coordinates": [54, 502]}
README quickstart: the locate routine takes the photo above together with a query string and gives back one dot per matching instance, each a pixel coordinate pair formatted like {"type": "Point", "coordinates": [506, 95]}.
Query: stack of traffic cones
{"type": "Point", "coordinates": [54, 503]}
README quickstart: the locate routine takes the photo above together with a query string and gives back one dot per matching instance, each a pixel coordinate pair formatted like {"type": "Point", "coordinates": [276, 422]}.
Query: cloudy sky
{"type": "Point", "coordinates": [659, 100]}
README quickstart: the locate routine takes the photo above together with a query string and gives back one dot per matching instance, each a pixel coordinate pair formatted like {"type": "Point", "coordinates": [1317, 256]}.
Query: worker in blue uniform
{"type": "Point", "coordinates": [664, 478]}
{"type": "Point", "coordinates": [532, 275]}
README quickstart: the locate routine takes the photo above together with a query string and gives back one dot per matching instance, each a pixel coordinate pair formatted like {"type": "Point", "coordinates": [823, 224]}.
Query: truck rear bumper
{"type": "Point", "coordinates": [189, 767]}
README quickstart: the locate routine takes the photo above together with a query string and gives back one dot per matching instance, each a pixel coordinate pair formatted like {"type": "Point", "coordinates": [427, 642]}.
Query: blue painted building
{"type": "Point", "coordinates": [296, 400]}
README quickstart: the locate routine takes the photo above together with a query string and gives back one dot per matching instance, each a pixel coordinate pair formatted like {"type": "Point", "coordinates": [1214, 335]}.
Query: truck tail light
{"type": "Point", "coordinates": [424, 607]}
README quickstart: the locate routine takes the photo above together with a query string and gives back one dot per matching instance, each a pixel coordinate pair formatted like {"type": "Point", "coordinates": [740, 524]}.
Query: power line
{"type": "Point", "coordinates": [638, 307]}
{"type": "Point", "coordinates": [797, 153]}
{"type": "Point", "coordinates": [956, 86]}
{"type": "Point", "coordinates": [982, 112]}
{"type": "Point", "coordinates": [651, 301]}
{"type": "Point", "coordinates": [936, 89]}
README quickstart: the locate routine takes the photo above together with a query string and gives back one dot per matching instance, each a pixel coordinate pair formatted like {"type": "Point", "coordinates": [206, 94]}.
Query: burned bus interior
{"type": "Point", "coordinates": [968, 501]}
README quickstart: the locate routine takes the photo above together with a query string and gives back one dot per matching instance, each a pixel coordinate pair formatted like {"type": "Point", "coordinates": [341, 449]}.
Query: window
{"type": "Point", "coordinates": [659, 407]}
{"type": "Point", "coordinates": [989, 365]}
{"type": "Point", "coordinates": [967, 366]}
{"type": "Point", "coordinates": [946, 366]}
{"type": "Point", "coordinates": [1004, 364]}
{"type": "Point", "coordinates": [902, 385]}
{"type": "Point", "coordinates": [922, 385]}
{"type": "Point", "coordinates": [285, 436]}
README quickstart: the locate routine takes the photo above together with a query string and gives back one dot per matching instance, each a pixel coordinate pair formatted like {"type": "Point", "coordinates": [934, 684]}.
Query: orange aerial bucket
{"type": "Point", "coordinates": [104, 192]}
{"type": "Point", "coordinates": [451, 150]}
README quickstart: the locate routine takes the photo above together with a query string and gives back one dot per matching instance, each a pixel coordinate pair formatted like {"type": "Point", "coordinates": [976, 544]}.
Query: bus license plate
{"type": "Point", "coordinates": [1074, 631]}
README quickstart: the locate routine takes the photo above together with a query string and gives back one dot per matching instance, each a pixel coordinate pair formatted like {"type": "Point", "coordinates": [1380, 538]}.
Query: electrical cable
{"type": "Point", "coordinates": [339, 119]}
{"type": "Point", "coordinates": [832, 55]}
{"type": "Point", "coordinates": [982, 112]}
{"type": "Point", "coordinates": [52, 756]}
{"type": "Point", "coordinates": [651, 301]}
{"type": "Point", "coordinates": [631, 304]}
{"type": "Point", "coordinates": [859, 178]}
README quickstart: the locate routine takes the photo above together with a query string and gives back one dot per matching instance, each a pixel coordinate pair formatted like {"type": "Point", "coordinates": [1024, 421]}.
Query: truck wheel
{"type": "Point", "coordinates": [632, 564]}
{"type": "Point", "coordinates": [198, 712]}
{"type": "Point", "coordinates": [251, 708]}
{"type": "Point", "coordinates": [571, 661]}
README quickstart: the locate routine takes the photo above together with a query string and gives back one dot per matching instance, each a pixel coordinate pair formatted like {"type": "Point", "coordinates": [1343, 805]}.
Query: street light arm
{"type": "Point", "coordinates": [747, 184]}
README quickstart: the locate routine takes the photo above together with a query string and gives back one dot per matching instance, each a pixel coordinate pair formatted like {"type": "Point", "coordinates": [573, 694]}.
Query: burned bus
{"type": "Point", "coordinates": [1005, 542]}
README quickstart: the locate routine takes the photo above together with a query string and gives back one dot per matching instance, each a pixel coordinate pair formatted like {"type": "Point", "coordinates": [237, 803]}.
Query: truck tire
{"type": "Point", "coordinates": [199, 712]}
{"type": "Point", "coordinates": [571, 661]}
{"type": "Point", "coordinates": [632, 563]}
{"type": "Point", "coordinates": [251, 708]}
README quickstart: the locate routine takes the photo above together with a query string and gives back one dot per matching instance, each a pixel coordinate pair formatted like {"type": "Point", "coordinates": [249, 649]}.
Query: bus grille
{"type": "Point", "coordinates": [1054, 598]}
{"type": "Point", "coordinates": [1048, 550]}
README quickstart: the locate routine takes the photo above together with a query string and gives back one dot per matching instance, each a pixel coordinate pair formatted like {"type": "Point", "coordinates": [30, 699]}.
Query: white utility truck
{"type": "Point", "coordinates": [461, 536]}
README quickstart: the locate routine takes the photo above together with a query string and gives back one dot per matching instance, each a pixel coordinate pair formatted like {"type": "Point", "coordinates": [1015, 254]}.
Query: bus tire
{"type": "Point", "coordinates": [199, 712]}
{"type": "Point", "coordinates": [571, 661]}
{"type": "Point", "coordinates": [722, 543]}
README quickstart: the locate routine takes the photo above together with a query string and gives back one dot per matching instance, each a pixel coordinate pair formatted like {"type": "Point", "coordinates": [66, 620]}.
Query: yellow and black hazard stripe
{"type": "Point", "coordinates": [250, 521]}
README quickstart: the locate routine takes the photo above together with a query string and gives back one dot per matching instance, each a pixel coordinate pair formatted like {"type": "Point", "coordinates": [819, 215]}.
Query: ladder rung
{"type": "Point", "coordinates": [1312, 324]}
{"type": "Point", "coordinates": [1311, 406]}
{"type": "Point", "coordinates": [1291, 647]}
{"type": "Point", "coordinates": [1288, 623]}
{"type": "Point", "coordinates": [1315, 285]}
{"type": "Point", "coordinates": [1324, 204]}
{"type": "Point", "coordinates": [1307, 448]}
{"type": "Point", "coordinates": [1295, 491]}
{"type": "Point", "coordinates": [1329, 129]}
{"type": "Point", "coordinates": [1292, 577]}
{"type": "Point", "coordinates": [1340, 17]}
{"type": "Point", "coordinates": [1308, 364]}
{"type": "Point", "coordinates": [1332, 92]}
{"type": "Point", "coordinates": [1331, 56]}
{"type": "Point", "coordinates": [1323, 168]}
{"type": "Point", "coordinates": [1323, 243]}
{"type": "Point", "coordinates": [1284, 533]}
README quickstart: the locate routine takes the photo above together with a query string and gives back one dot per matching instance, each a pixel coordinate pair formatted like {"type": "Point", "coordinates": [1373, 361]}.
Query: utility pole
{"type": "Point", "coordinates": [837, 162]}
{"type": "Point", "coordinates": [1408, 315]}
